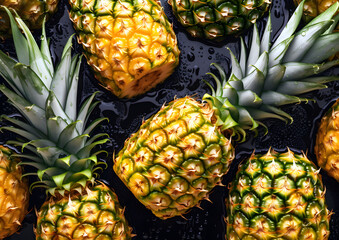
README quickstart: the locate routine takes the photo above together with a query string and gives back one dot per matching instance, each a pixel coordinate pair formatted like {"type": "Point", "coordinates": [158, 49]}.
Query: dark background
{"type": "Point", "coordinates": [126, 115]}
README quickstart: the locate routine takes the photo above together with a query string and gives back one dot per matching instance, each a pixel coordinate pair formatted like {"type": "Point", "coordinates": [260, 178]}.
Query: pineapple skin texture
{"type": "Point", "coordinates": [215, 20]}
{"type": "Point", "coordinates": [277, 196]}
{"type": "Point", "coordinates": [95, 214]}
{"type": "Point", "coordinates": [131, 46]}
{"type": "Point", "coordinates": [326, 146]}
{"type": "Point", "coordinates": [175, 159]}
{"type": "Point", "coordinates": [31, 11]}
{"type": "Point", "coordinates": [14, 194]}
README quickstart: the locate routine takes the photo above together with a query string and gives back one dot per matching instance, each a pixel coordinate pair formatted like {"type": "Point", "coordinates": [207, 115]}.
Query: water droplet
{"type": "Point", "coordinates": [211, 51]}
{"type": "Point", "coordinates": [190, 56]}
{"type": "Point", "coordinates": [192, 48]}
{"type": "Point", "coordinates": [303, 34]}
{"type": "Point", "coordinates": [201, 48]}
{"type": "Point", "coordinates": [209, 57]}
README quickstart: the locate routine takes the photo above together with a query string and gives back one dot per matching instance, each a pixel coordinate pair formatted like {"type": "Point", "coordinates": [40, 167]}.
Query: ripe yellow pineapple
{"type": "Point", "coordinates": [130, 45]}
{"type": "Point", "coordinates": [32, 12]}
{"type": "Point", "coordinates": [14, 194]}
{"type": "Point", "coordinates": [327, 142]}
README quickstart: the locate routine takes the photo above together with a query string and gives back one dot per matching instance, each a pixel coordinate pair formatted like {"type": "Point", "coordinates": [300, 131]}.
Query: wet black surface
{"type": "Point", "coordinates": [126, 117]}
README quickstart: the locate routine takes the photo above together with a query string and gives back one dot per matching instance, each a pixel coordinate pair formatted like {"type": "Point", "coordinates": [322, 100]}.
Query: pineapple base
{"type": "Point", "coordinates": [94, 214]}
{"type": "Point", "coordinates": [140, 84]}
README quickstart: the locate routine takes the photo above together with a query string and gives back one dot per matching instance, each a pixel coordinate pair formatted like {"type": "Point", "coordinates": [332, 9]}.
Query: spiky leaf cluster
{"type": "Point", "coordinates": [55, 133]}
{"type": "Point", "coordinates": [268, 77]}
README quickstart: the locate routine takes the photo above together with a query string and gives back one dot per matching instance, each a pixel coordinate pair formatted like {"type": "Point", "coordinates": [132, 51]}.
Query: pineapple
{"type": "Point", "coordinates": [326, 147]}
{"type": "Point", "coordinates": [32, 12]}
{"type": "Point", "coordinates": [277, 196]}
{"type": "Point", "coordinates": [130, 45]}
{"type": "Point", "coordinates": [179, 154]}
{"type": "Point", "coordinates": [58, 143]}
{"type": "Point", "coordinates": [215, 20]}
{"type": "Point", "coordinates": [14, 193]}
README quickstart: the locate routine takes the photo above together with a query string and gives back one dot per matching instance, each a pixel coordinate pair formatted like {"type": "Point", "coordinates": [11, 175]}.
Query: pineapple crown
{"type": "Point", "coordinates": [270, 76]}
{"type": "Point", "coordinates": [58, 140]}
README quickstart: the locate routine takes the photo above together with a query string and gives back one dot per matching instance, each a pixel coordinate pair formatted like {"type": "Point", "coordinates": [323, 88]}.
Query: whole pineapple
{"type": "Point", "coordinates": [326, 146]}
{"type": "Point", "coordinates": [178, 155]}
{"type": "Point", "coordinates": [32, 12]}
{"type": "Point", "coordinates": [14, 193]}
{"type": "Point", "coordinates": [58, 143]}
{"type": "Point", "coordinates": [277, 196]}
{"type": "Point", "coordinates": [130, 45]}
{"type": "Point", "coordinates": [215, 20]}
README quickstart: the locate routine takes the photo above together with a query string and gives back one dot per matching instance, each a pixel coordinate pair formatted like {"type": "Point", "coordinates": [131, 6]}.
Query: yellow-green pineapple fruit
{"type": "Point", "coordinates": [327, 142]}
{"type": "Point", "coordinates": [277, 196]}
{"type": "Point", "coordinates": [130, 45]}
{"type": "Point", "coordinates": [32, 12]}
{"type": "Point", "coordinates": [176, 158]}
{"type": "Point", "coordinates": [179, 154]}
{"type": "Point", "coordinates": [93, 214]}
{"type": "Point", "coordinates": [14, 194]}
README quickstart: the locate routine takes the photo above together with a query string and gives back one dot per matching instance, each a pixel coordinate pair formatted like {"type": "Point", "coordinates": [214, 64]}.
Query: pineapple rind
{"type": "Point", "coordinates": [95, 214]}
{"type": "Point", "coordinates": [216, 20]}
{"type": "Point", "coordinates": [277, 195]}
{"type": "Point", "coordinates": [131, 46]}
{"type": "Point", "coordinates": [14, 193]}
{"type": "Point", "coordinates": [174, 167]}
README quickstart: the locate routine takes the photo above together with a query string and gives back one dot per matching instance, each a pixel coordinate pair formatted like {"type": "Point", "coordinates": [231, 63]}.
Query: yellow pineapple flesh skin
{"type": "Point", "coordinates": [175, 159]}
{"type": "Point", "coordinates": [93, 214]}
{"type": "Point", "coordinates": [327, 142]}
{"type": "Point", "coordinates": [31, 11]}
{"type": "Point", "coordinates": [14, 194]}
{"type": "Point", "coordinates": [131, 46]}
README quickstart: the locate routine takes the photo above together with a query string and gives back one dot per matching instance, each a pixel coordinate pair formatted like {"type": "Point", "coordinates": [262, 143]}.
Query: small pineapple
{"type": "Point", "coordinates": [14, 194]}
{"type": "Point", "coordinates": [277, 196]}
{"type": "Point", "coordinates": [130, 45]}
{"type": "Point", "coordinates": [326, 146]}
{"type": "Point", "coordinates": [179, 154]}
{"type": "Point", "coordinates": [32, 12]}
{"type": "Point", "coordinates": [215, 20]}
{"type": "Point", "coordinates": [58, 143]}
